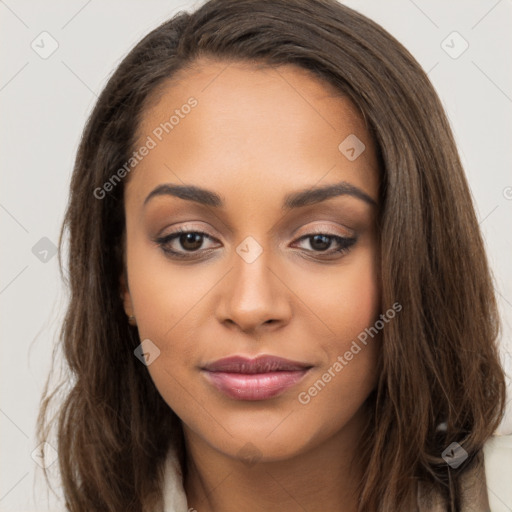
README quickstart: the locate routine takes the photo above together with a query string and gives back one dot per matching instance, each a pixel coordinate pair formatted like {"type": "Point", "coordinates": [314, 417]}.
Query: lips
{"type": "Point", "coordinates": [254, 379]}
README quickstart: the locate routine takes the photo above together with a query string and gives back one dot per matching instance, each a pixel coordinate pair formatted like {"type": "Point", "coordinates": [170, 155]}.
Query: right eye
{"type": "Point", "coordinates": [189, 243]}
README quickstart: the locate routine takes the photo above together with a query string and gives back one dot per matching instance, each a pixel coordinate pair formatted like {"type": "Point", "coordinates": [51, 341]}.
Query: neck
{"type": "Point", "coordinates": [323, 478]}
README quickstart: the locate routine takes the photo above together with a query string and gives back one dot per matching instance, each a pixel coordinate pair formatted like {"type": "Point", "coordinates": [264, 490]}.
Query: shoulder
{"type": "Point", "coordinates": [498, 472]}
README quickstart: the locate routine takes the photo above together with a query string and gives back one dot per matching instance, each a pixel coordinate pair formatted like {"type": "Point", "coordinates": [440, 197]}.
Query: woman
{"type": "Point", "coordinates": [280, 298]}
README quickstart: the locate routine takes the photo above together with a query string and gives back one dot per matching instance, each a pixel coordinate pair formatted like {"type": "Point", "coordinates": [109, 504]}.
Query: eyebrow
{"type": "Point", "coordinates": [293, 200]}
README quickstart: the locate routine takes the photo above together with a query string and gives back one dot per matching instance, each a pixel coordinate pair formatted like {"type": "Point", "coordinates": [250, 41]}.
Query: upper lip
{"type": "Point", "coordinates": [260, 364]}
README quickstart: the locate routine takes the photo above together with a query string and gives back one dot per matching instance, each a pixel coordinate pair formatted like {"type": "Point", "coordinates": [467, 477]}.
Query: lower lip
{"type": "Point", "coordinates": [258, 386]}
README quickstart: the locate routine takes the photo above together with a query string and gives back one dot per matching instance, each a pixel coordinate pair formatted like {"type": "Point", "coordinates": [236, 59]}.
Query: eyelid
{"type": "Point", "coordinates": [186, 228]}
{"type": "Point", "coordinates": [327, 230]}
{"type": "Point", "coordinates": [317, 229]}
{"type": "Point", "coordinates": [346, 241]}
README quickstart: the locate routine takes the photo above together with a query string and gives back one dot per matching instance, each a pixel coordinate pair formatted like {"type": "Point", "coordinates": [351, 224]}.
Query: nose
{"type": "Point", "coordinates": [253, 298]}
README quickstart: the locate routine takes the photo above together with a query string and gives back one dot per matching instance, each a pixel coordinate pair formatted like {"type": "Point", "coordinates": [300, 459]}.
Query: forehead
{"type": "Point", "coordinates": [270, 130]}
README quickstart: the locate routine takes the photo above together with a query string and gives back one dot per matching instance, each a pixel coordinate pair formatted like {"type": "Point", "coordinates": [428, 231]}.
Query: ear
{"type": "Point", "coordinates": [125, 294]}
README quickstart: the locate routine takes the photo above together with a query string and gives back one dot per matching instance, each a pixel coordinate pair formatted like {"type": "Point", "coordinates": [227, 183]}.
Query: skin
{"type": "Point", "coordinates": [256, 135]}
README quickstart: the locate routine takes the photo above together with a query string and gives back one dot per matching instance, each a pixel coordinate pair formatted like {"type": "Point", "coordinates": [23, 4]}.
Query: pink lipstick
{"type": "Point", "coordinates": [260, 378]}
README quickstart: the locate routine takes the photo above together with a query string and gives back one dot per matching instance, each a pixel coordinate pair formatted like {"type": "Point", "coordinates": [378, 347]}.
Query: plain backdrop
{"type": "Point", "coordinates": [45, 99]}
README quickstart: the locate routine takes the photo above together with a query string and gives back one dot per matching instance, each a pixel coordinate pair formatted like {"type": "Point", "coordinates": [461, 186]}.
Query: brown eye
{"type": "Point", "coordinates": [189, 244]}
{"type": "Point", "coordinates": [183, 243]}
{"type": "Point", "coordinates": [322, 243]}
{"type": "Point", "coordinates": [191, 241]}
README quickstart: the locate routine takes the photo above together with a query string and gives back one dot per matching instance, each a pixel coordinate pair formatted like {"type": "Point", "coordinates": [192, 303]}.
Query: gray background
{"type": "Point", "coordinates": [44, 103]}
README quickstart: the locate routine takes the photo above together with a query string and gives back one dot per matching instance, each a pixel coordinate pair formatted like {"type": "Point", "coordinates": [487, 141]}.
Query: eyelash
{"type": "Point", "coordinates": [345, 243]}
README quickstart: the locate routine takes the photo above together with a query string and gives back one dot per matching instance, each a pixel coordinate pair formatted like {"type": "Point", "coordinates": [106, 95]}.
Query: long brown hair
{"type": "Point", "coordinates": [439, 361]}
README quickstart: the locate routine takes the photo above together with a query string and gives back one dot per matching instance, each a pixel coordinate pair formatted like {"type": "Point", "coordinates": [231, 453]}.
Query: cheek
{"type": "Point", "coordinates": [346, 300]}
{"type": "Point", "coordinates": [168, 301]}
{"type": "Point", "coordinates": [165, 296]}
{"type": "Point", "coordinates": [349, 305]}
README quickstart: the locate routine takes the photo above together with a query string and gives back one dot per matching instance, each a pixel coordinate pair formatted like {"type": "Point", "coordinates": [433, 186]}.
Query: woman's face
{"type": "Point", "coordinates": [277, 269]}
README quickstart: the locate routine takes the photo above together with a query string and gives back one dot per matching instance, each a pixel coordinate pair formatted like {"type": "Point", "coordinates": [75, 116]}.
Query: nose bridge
{"type": "Point", "coordinates": [253, 294]}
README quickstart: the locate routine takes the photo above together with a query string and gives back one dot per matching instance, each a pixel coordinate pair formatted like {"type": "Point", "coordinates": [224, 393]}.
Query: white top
{"type": "Point", "coordinates": [498, 473]}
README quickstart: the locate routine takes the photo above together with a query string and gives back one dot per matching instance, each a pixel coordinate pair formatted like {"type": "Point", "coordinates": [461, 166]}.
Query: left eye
{"type": "Point", "coordinates": [322, 242]}
{"type": "Point", "coordinates": [192, 241]}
